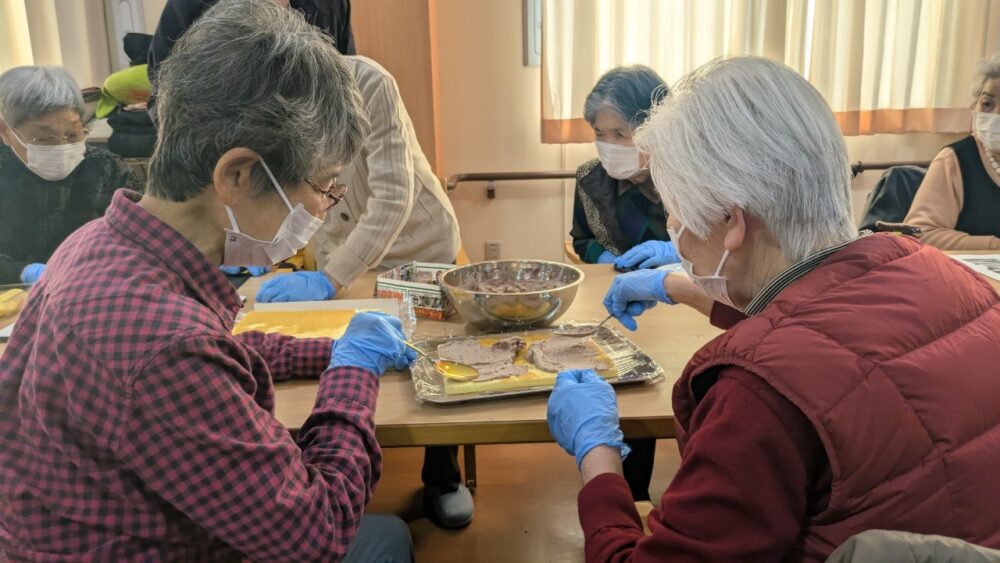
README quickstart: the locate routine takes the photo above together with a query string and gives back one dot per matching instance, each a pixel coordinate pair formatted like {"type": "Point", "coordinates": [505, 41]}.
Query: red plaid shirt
{"type": "Point", "coordinates": [137, 427]}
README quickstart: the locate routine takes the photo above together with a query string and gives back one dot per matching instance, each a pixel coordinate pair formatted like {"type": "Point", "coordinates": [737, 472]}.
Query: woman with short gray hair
{"type": "Point", "coordinates": [958, 204]}
{"type": "Point", "coordinates": [124, 382]}
{"type": "Point", "coordinates": [47, 169]}
{"type": "Point", "coordinates": [617, 215]}
{"type": "Point", "coordinates": [829, 404]}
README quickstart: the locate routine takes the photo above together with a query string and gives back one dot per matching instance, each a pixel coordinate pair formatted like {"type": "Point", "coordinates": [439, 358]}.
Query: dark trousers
{"type": "Point", "coordinates": [441, 468]}
{"type": "Point", "coordinates": [638, 467]}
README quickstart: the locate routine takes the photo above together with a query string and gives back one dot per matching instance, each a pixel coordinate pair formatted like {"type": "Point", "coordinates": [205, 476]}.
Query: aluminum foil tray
{"type": "Point", "coordinates": [633, 366]}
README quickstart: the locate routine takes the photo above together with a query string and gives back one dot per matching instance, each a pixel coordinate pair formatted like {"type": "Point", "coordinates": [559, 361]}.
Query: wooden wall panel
{"type": "Point", "coordinates": [401, 36]}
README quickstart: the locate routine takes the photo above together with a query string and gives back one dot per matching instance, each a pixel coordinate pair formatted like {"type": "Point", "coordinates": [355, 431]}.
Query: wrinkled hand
{"type": "Point", "coordinates": [297, 286]}
{"type": "Point", "coordinates": [32, 272]}
{"type": "Point", "coordinates": [631, 294]}
{"type": "Point", "coordinates": [254, 271]}
{"type": "Point", "coordinates": [607, 257]}
{"type": "Point", "coordinates": [583, 414]}
{"type": "Point", "coordinates": [373, 341]}
{"type": "Point", "coordinates": [650, 254]}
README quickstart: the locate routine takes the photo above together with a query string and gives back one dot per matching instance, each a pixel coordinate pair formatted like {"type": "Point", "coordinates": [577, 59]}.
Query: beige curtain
{"type": "Point", "coordinates": [67, 33]}
{"type": "Point", "coordinates": [885, 66]}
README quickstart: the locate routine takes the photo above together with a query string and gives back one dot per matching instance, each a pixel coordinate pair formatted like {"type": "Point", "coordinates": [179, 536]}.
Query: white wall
{"type": "Point", "coordinates": [490, 122]}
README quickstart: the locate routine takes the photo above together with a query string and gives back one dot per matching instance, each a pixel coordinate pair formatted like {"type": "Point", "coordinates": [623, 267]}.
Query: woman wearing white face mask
{"type": "Point", "coordinates": [617, 207]}
{"type": "Point", "coordinates": [123, 380]}
{"type": "Point", "coordinates": [958, 204]}
{"type": "Point", "coordinates": [853, 387]}
{"type": "Point", "coordinates": [46, 169]}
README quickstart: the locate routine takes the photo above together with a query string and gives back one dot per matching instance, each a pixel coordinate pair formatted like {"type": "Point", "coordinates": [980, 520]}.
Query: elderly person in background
{"type": "Point", "coordinates": [137, 427]}
{"type": "Point", "coordinates": [51, 181]}
{"type": "Point", "coordinates": [958, 204]}
{"type": "Point", "coordinates": [851, 389]}
{"type": "Point", "coordinates": [617, 214]}
{"type": "Point", "coordinates": [394, 212]}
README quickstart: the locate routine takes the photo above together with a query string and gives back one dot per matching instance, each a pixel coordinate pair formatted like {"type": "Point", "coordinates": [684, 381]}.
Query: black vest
{"type": "Point", "coordinates": [981, 207]}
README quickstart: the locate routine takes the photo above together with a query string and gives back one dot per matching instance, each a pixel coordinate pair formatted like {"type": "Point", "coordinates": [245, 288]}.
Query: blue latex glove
{"type": "Point", "coordinates": [631, 294]}
{"type": "Point", "coordinates": [32, 272]}
{"type": "Point", "coordinates": [254, 270]}
{"type": "Point", "coordinates": [607, 257]}
{"type": "Point", "coordinates": [298, 286]}
{"type": "Point", "coordinates": [650, 254]}
{"type": "Point", "coordinates": [373, 341]}
{"type": "Point", "coordinates": [583, 414]}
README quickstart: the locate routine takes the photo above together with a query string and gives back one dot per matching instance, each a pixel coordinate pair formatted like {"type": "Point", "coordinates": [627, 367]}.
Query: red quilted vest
{"type": "Point", "coordinates": [892, 351]}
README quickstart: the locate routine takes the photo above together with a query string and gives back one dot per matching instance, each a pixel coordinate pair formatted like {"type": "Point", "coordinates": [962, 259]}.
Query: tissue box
{"type": "Point", "coordinates": [418, 282]}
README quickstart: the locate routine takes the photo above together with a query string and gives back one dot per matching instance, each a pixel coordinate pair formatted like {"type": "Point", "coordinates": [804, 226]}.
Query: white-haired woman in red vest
{"type": "Point", "coordinates": [856, 385]}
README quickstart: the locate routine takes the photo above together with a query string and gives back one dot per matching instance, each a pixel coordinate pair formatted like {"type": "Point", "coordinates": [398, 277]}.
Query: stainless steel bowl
{"type": "Point", "coordinates": [512, 308]}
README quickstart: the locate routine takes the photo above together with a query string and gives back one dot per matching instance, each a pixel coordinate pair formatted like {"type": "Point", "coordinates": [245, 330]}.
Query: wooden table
{"type": "Point", "coordinates": [670, 335]}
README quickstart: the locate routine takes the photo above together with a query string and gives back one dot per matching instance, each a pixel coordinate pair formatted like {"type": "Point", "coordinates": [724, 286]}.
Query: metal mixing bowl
{"type": "Point", "coordinates": [504, 310]}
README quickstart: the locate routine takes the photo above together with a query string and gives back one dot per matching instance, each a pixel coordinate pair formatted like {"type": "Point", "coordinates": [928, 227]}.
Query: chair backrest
{"type": "Point", "coordinates": [893, 194]}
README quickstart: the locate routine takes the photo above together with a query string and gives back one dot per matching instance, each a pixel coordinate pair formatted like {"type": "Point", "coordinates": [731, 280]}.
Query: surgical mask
{"type": "Point", "coordinates": [715, 286]}
{"type": "Point", "coordinates": [52, 163]}
{"type": "Point", "coordinates": [619, 161]}
{"type": "Point", "coordinates": [293, 235]}
{"type": "Point", "coordinates": [987, 128]}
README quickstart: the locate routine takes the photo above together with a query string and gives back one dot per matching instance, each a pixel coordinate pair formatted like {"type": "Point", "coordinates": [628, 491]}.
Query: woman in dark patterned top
{"type": "Point", "coordinates": [617, 207]}
{"type": "Point", "coordinates": [51, 182]}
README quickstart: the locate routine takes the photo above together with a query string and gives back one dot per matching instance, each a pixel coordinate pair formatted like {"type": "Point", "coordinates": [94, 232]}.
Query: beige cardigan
{"type": "Point", "coordinates": [938, 204]}
{"type": "Point", "coordinates": [395, 210]}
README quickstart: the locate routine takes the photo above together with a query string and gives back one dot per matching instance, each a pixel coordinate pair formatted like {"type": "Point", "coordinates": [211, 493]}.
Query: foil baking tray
{"type": "Point", "coordinates": [632, 364]}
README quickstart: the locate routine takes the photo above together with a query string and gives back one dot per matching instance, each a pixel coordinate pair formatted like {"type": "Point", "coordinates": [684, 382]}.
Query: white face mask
{"type": "Point", "coordinates": [54, 162]}
{"type": "Point", "coordinates": [619, 161]}
{"type": "Point", "coordinates": [293, 235]}
{"type": "Point", "coordinates": [987, 129]}
{"type": "Point", "coordinates": [715, 286]}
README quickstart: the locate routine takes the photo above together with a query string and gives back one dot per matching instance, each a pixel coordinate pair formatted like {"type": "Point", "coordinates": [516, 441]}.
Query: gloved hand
{"type": "Point", "coordinates": [631, 294]}
{"type": "Point", "coordinates": [254, 270]}
{"type": "Point", "coordinates": [607, 257]}
{"type": "Point", "coordinates": [373, 341]}
{"type": "Point", "coordinates": [583, 414]}
{"type": "Point", "coordinates": [650, 254]}
{"type": "Point", "coordinates": [32, 272]}
{"type": "Point", "coordinates": [297, 286]}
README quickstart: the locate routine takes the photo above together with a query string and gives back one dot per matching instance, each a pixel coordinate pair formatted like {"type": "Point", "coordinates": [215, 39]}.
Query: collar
{"type": "Point", "coordinates": [791, 274]}
{"type": "Point", "coordinates": [646, 188]}
{"type": "Point", "coordinates": [203, 278]}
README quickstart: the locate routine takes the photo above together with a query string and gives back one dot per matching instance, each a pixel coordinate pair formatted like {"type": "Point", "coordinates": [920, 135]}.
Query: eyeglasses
{"type": "Point", "coordinates": [54, 140]}
{"type": "Point", "coordinates": [334, 193]}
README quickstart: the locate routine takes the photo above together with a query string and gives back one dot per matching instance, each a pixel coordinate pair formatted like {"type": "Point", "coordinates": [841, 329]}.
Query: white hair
{"type": "Point", "coordinates": [750, 133]}
{"type": "Point", "coordinates": [29, 92]}
{"type": "Point", "coordinates": [988, 69]}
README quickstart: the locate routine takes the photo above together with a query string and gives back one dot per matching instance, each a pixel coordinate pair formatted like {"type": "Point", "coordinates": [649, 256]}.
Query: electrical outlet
{"type": "Point", "coordinates": [492, 250]}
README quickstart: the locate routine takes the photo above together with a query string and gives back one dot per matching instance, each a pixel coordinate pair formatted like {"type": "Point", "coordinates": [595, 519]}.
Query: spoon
{"type": "Point", "coordinates": [452, 370]}
{"type": "Point", "coordinates": [581, 331]}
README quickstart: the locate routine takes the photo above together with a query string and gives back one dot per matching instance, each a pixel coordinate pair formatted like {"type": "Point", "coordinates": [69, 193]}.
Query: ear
{"type": "Point", "coordinates": [736, 230]}
{"type": "Point", "coordinates": [231, 177]}
{"type": "Point", "coordinates": [5, 133]}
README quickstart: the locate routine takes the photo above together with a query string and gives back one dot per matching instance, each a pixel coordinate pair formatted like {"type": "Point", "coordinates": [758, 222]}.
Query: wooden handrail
{"type": "Point", "coordinates": [859, 167]}
{"type": "Point", "coordinates": [491, 177]}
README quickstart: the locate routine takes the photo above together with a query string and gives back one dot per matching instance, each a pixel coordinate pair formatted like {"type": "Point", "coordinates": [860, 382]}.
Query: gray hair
{"type": "Point", "coordinates": [29, 92]}
{"type": "Point", "coordinates": [253, 74]}
{"type": "Point", "coordinates": [988, 69]}
{"type": "Point", "coordinates": [751, 133]}
{"type": "Point", "coordinates": [628, 90]}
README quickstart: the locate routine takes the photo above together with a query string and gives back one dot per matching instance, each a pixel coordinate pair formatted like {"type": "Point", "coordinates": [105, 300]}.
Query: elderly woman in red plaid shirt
{"type": "Point", "coordinates": [136, 426]}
